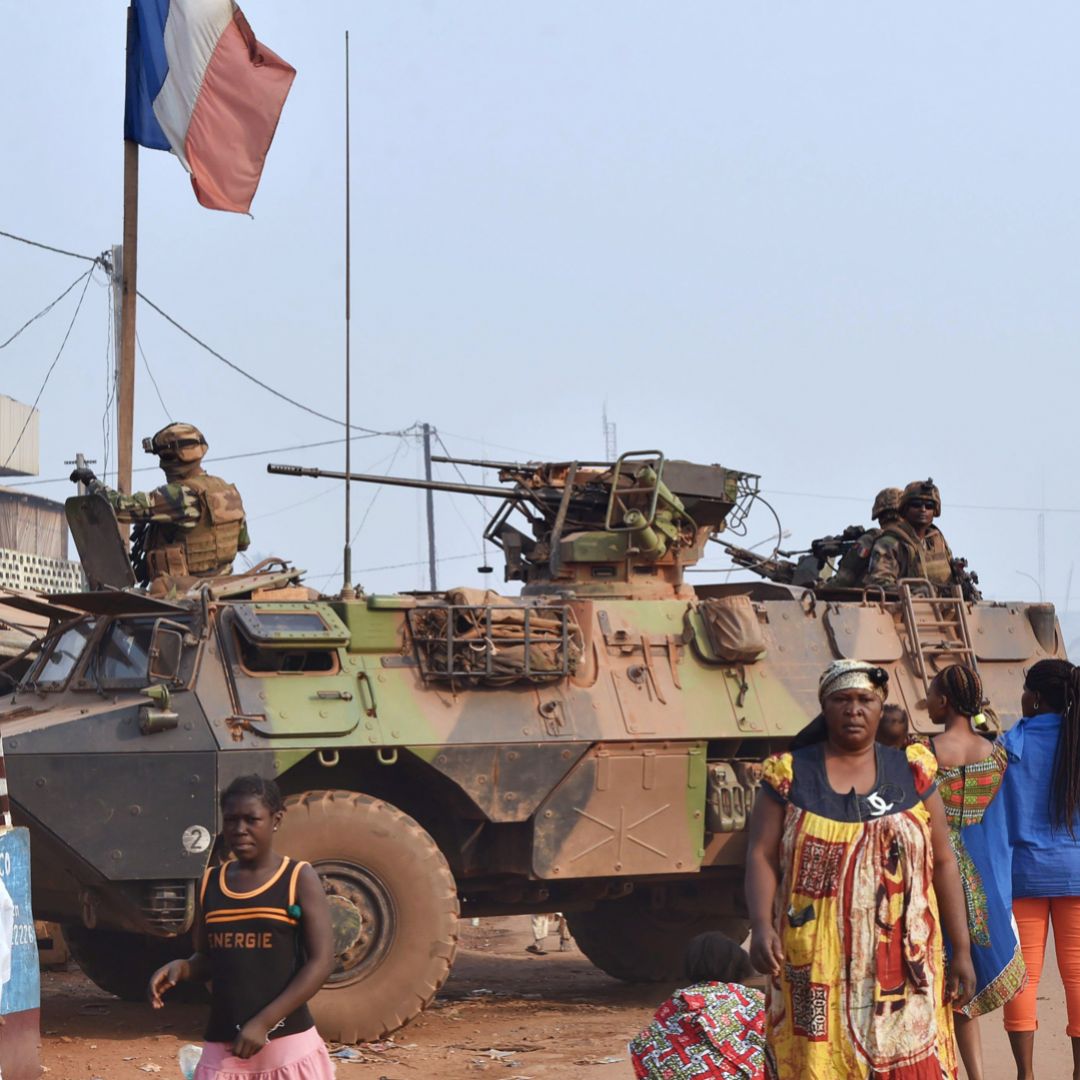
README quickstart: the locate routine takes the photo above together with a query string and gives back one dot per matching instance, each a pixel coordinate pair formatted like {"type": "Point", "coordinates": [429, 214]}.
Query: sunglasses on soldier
{"type": "Point", "coordinates": [922, 504]}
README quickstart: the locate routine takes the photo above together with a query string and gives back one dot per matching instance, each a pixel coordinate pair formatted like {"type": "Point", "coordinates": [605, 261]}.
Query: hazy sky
{"type": "Point", "coordinates": [835, 244]}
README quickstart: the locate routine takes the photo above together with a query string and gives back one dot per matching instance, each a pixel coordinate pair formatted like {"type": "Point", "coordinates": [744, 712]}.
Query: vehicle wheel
{"type": "Point", "coordinates": [394, 909]}
{"type": "Point", "coordinates": [121, 963]}
{"type": "Point", "coordinates": [635, 943]}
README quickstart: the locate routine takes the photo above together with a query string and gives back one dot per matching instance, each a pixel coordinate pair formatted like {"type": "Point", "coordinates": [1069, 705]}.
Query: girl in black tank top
{"type": "Point", "coordinates": [263, 938]}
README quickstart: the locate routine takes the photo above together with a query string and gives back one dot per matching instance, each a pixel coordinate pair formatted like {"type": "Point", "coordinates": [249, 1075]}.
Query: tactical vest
{"type": "Point", "coordinates": [855, 562]}
{"type": "Point", "coordinates": [928, 558]}
{"type": "Point", "coordinates": [210, 546]}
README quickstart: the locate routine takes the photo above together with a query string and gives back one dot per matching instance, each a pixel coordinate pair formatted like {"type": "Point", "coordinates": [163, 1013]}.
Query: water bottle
{"type": "Point", "coordinates": [189, 1058]}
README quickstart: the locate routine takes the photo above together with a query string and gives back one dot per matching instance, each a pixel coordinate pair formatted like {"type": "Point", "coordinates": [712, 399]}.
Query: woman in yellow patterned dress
{"type": "Point", "coordinates": [849, 858]}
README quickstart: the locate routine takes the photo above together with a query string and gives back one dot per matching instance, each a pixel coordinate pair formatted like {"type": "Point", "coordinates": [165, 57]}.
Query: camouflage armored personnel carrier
{"type": "Point", "coordinates": [589, 746]}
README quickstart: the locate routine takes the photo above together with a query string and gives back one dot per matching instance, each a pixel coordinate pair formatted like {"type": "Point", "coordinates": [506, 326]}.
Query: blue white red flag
{"type": "Point", "coordinates": [200, 85]}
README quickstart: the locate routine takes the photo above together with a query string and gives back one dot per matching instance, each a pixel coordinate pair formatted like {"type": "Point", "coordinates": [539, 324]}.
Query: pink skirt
{"type": "Point", "coordinates": [292, 1057]}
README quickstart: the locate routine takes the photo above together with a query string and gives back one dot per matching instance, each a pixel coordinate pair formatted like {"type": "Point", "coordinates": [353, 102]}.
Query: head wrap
{"type": "Point", "coordinates": [852, 675]}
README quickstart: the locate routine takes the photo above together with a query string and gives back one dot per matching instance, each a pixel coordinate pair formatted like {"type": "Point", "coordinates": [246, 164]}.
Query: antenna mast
{"type": "Point", "coordinates": [347, 589]}
{"type": "Point", "coordinates": [611, 446]}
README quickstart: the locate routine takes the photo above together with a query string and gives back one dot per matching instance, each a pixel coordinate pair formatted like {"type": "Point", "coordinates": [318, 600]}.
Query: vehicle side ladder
{"type": "Point", "coordinates": [937, 627]}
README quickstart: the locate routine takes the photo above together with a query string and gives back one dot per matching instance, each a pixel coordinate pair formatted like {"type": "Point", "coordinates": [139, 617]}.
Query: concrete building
{"type": "Point", "coordinates": [33, 530]}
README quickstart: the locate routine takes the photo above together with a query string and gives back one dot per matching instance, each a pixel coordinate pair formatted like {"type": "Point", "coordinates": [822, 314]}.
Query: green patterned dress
{"type": "Point", "coordinates": [979, 839]}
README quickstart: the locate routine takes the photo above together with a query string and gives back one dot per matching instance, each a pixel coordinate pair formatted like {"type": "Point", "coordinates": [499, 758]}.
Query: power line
{"type": "Point", "coordinates": [56, 360]}
{"type": "Point", "coordinates": [49, 247]}
{"type": "Point", "coordinates": [500, 446]}
{"type": "Point", "coordinates": [101, 260]}
{"type": "Point", "coordinates": [292, 506]}
{"type": "Point", "coordinates": [952, 506]}
{"type": "Point", "coordinates": [45, 310]}
{"type": "Point", "coordinates": [216, 457]}
{"type": "Point", "coordinates": [464, 479]}
{"type": "Point", "coordinates": [394, 566]}
{"type": "Point", "coordinates": [258, 382]}
{"type": "Point", "coordinates": [157, 389]}
{"type": "Point", "coordinates": [110, 383]}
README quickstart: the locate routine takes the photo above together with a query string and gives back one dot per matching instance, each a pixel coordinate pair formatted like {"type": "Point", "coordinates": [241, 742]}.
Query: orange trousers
{"type": "Point", "coordinates": [1033, 915]}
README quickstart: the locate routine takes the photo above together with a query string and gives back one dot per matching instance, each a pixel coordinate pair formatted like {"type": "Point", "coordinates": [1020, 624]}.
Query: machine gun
{"type": "Point", "coordinates": [967, 579]}
{"type": "Point", "coordinates": [810, 563]}
{"type": "Point", "coordinates": [622, 526]}
{"type": "Point", "coordinates": [768, 566]}
{"type": "Point", "coordinates": [827, 548]}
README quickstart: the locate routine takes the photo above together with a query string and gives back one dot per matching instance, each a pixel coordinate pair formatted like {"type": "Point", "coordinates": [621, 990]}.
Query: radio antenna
{"type": "Point", "coordinates": [347, 590]}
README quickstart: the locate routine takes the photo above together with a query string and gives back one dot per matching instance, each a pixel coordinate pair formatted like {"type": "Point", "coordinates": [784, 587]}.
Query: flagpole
{"type": "Point", "coordinates": [346, 585]}
{"type": "Point", "coordinates": [125, 362]}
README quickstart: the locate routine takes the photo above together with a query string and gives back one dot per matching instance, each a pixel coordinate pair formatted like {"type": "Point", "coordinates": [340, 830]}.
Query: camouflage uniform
{"type": "Point", "coordinates": [899, 553]}
{"type": "Point", "coordinates": [189, 515]}
{"type": "Point", "coordinates": [855, 563]}
{"type": "Point", "coordinates": [194, 524]}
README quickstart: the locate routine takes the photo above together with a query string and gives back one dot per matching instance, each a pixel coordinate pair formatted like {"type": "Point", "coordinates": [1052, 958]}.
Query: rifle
{"type": "Point", "coordinates": [967, 579]}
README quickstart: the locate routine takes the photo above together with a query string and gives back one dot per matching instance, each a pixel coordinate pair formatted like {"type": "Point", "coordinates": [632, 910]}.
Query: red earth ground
{"type": "Point", "coordinates": [503, 1014]}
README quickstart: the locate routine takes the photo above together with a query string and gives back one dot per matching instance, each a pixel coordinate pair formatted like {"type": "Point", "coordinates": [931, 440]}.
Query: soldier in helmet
{"type": "Point", "coordinates": [913, 547]}
{"type": "Point", "coordinates": [851, 572]}
{"type": "Point", "coordinates": [191, 526]}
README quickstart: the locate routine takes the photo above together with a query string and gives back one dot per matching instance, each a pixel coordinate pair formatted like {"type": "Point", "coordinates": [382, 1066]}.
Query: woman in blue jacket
{"type": "Point", "coordinates": [1042, 804]}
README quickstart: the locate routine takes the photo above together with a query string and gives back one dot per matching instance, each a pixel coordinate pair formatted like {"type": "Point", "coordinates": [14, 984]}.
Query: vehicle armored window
{"type": "Point", "coordinates": [54, 667]}
{"type": "Point", "coordinates": [283, 639]}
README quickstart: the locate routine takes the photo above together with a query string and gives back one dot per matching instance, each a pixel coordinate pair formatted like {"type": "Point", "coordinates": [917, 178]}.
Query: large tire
{"type": "Point", "coordinates": [376, 861]}
{"type": "Point", "coordinates": [631, 941]}
{"type": "Point", "coordinates": [121, 963]}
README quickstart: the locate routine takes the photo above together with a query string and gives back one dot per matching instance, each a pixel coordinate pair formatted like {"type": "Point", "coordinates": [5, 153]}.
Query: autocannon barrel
{"type": "Point", "coordinates": [394, 481]}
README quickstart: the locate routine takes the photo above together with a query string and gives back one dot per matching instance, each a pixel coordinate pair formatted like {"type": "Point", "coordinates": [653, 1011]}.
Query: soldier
{"type": "Point", "coordinates": [856, 560]}
{"type": "Point", "coordinates": [913, 547]}
{"type": "Point", "coordinates": [191, 526]}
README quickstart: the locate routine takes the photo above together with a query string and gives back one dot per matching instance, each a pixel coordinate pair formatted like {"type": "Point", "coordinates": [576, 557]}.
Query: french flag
{"type": "Point", "coordinates": [200, 84]}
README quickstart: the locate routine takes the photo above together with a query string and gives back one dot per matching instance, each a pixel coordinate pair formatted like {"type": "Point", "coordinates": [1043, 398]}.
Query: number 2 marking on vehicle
{"type": "Point", "coordinates": [196, 839]}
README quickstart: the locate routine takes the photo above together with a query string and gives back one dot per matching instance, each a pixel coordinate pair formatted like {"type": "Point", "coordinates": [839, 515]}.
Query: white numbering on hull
{"type": "Point", "coordinates": [196, 839]}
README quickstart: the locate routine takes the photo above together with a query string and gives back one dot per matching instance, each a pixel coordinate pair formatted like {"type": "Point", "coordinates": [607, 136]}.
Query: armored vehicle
{"type": "Point", "coordinates": [590, 745]}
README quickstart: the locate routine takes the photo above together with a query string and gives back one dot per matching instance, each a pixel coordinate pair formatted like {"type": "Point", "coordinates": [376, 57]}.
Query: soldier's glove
{"type": "Point", "coordinates": [83, 476]}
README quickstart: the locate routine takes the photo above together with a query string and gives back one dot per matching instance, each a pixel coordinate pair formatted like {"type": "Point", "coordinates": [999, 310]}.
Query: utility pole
{"type": "Point", "coordinates": [125, 365]}
{"type": "Point", "coordinates": [430, 509]}
{"type": "Point", "coordinates": [116, 283]}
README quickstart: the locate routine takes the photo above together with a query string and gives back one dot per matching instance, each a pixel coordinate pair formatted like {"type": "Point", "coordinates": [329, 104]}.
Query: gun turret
{"type": "Point", "coordinates": [629, 526]}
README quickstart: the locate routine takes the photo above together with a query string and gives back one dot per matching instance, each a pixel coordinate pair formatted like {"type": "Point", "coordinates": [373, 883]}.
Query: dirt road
{"type": "Point", "coordinates": [503, 1014]}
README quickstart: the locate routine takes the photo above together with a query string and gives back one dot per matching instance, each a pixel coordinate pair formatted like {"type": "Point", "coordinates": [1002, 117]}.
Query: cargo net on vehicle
{"type": "Point", "coordinates": [484, 639]}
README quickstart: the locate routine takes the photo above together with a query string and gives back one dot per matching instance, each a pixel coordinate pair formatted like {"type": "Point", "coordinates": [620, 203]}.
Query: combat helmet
{"type": "Point", "coordinates": [922, 489]}
{"type": "Point", "coordinates": [887, 501]}
{"type": "Point", "coordinates": [178, 442]}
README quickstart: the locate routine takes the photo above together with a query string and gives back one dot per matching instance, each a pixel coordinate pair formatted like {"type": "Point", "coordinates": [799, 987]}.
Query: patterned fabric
{"type": "Point", "coordinates": [170, 504]}
{"type": "Point", "coordinates": [861, 991]}
{"type": "Point", "coordinates": [904, 778]}
{"type": "Point", "coordinates": [851, 675]}
{"type": "Point", "coordinates": [778, 771]}
{"type": "Point", "coordinates": [924, 766]}
{"type": "Point", "coordinates": [708, 1030]}
{"type": "Point", "coordinates": [978, 836]}
{"type": "Point", "coordinates": [201, 515]}
{"type": "Point", "coordinates": [899, 553]}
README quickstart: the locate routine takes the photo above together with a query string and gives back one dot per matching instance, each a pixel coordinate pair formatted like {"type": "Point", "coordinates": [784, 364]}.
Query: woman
{"type": "Point", "coordinates": [263, 938]}
{"type": "Point", "coordinates": [1042, 805]}
{"type": "Point", "coordinates": [848, 846]}
{"type": "Point", "coordinates": [970, 772]}
{"type": "Point", "coordinates": [713, 1027]}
